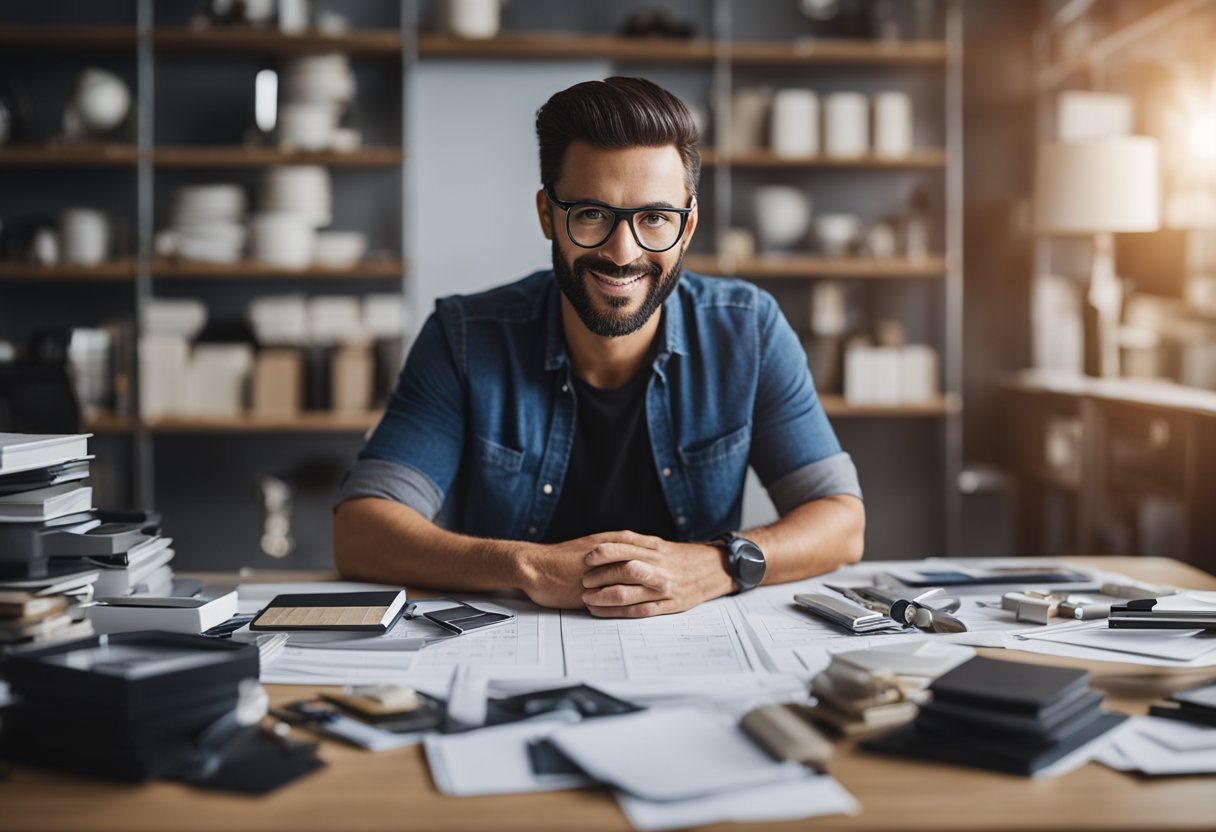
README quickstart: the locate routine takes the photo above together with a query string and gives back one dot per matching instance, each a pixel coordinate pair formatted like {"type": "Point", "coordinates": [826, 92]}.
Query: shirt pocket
{"type": "Point", "coordinates": [728, 446]}
{"type": "Point", "coordinates": [716, 470]}
{"type": "Point", "coordinates": [495, 455]}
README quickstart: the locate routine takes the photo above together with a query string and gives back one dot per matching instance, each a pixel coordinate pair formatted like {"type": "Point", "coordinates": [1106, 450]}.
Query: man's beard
{"type": "Point", "coordinates": [613, 323]}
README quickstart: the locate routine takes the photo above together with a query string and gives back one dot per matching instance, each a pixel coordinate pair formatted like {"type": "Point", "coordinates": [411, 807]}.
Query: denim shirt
{"type": "Point", "coordinates": [478, 433]}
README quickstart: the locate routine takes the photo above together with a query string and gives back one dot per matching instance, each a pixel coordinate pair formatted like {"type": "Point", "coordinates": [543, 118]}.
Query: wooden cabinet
{"type": "Point", "coordinates": [1113, 467]}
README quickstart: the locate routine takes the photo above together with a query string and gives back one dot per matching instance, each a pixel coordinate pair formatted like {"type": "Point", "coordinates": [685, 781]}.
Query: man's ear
{"type": "Point", "coordinates": [692, 222]}
{"type": "Point", "coordinates": [543, 212]}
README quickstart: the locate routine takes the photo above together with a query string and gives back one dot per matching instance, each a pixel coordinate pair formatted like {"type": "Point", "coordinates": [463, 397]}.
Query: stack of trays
{"type": "Point", "coordinates": [127, 706]}
{"type": "Point", "coordinates": [854, 700]}
{"type": "Point", "coordinates": [1007, 716]}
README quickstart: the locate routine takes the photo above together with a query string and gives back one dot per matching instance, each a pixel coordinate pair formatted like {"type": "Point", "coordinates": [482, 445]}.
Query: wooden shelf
{"type": "Point", "coordinates": [67, 37]}
{"type": "Point", "coordinates": [808, 266]}
{"type": "Point", "coordinates": [562, 46]}
{"type": "Point", "coordinates": [375, 269]}
{"type": "Point", "coordinates": [248, 423]}
{"type": "Point", "coordinates": [82, 154]}
{"type": "Point", "coordinates": [108, 423]}
{"type": "Point", "coordinates": [221, 40]}
{"type": "Point", "coordinates": [839, 51]}
{"type": "Point", "coordinates": [116, 270]}
{"type": "Point", "coordinates": [837, 407]}
{"type": "Point", "coordinates": [768, 159]}
{"type": "Point", "coordinates": [240, 156]}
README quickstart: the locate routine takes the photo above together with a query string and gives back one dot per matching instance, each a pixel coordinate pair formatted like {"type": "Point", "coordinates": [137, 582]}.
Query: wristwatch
{"type": "Point", "coordinates": [744, 560]}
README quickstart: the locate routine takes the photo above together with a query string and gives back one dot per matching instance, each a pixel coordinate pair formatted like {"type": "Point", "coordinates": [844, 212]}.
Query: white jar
{"type": "Point", "coordinates": [795, 124]}
{"type": "Point", "coordinates": [847, 125]}
{"type": "Point", "coordinates": [892, 124]}
{"type": "Point", "coordinates": [85, 236]}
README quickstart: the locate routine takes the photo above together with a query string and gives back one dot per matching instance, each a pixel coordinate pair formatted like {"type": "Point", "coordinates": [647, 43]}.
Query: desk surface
{"type": "Point", "coordinates": [393, 790]}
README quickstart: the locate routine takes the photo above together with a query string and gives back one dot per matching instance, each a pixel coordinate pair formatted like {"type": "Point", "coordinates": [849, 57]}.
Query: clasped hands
{"type": "Point", "coordinates": [628, 575]}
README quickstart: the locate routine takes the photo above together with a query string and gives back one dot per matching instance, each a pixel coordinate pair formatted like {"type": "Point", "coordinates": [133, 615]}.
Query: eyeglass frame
{"type": "Point", "coordinates": [619, 214]}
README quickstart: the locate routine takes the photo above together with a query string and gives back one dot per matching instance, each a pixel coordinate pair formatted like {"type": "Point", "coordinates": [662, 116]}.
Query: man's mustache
{"type": "Point", "coordinates": [589, 262]}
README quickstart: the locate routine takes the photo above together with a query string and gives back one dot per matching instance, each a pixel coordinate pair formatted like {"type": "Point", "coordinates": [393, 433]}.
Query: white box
{"type": "Point", "coordinates": [143, 612]}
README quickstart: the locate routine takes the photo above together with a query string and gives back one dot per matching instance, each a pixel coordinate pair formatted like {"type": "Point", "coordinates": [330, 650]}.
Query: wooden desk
{"type": "Point", "coordinates": [393, 790]}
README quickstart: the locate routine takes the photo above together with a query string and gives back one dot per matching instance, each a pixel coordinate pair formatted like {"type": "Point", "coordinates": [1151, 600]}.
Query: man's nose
{"type": "Point", "coordinates": [621, 247]}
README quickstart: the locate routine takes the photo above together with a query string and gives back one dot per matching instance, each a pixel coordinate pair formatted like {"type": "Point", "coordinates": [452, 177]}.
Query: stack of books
{"type": "Point", "coordinates": [1005, 716]}
{"type": "Point", "coordinates": [131, 706]}
{"type": "Point", "coordinates": [854, 700]}
{"type": "Point", "coordinates": [41, 494]}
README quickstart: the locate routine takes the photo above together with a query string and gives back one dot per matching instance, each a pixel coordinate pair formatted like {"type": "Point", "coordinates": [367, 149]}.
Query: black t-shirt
{"type": "Point", "coordinates": [611, 483]}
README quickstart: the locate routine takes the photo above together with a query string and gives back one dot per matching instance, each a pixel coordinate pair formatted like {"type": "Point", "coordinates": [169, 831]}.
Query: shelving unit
{"type": "Point", "coordinates": [804, 267]}
{"type": "Point", "coordinates": [723, 56]}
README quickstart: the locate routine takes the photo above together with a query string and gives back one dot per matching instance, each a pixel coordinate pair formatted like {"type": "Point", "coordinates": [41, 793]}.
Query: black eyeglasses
{"type": "Point", "coordinates": [590, 224]}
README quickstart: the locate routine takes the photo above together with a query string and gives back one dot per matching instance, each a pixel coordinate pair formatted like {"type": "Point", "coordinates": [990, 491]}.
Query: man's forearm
{"type": "Point", "coordinates": [387, 542]}
{"type": "Point", "coordinates": [814, 538]}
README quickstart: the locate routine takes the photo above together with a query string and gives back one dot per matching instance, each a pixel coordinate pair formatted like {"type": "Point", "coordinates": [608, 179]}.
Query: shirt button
{"type": "Point", "coordinates": [667, 472]}
{"type": "Point", "coordinates": [547, 488]}
{"type": "Point", "coordinates": [681, 520]}
{"type": "Point", "coordinates": [532, 530]}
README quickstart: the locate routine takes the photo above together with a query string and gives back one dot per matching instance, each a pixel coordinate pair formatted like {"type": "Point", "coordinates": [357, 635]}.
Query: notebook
{"type": "Point", "coordinates": [25, 451]}
{"type": "Point", "coordinates": [356, 611]}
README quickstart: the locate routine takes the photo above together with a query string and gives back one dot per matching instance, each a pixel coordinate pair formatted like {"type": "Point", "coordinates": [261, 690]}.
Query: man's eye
{"type": "Point", "coordinates": [653, 220]}
{"type": "Point", "coordinates": [589, 215]}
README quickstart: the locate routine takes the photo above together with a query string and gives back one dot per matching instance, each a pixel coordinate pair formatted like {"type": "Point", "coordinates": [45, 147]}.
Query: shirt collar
{"type": "Point", "coordinates": [671, 329]}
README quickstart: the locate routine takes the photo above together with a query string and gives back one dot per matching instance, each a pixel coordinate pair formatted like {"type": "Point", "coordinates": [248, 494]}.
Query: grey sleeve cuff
{"type": "Point", "coordinates": [829, 477]}
{"type": "Point", "coordinates": [391, 481]}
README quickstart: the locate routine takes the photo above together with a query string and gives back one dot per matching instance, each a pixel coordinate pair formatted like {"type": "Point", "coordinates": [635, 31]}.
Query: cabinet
{"type": "Point", "coordinates": [1112, 466]}
{"type": "Point", "coordinates": [909, 455]}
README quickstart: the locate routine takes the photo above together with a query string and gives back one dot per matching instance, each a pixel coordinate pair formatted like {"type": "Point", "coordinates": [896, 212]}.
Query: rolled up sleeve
{"type": "Point", "coordinates": [794, 450]}
{"type": "Point", "coordinates": [414, 453]}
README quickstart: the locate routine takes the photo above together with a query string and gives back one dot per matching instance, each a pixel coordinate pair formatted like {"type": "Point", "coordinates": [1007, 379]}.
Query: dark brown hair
{"type": "Point", "coordinates": [615, 114]}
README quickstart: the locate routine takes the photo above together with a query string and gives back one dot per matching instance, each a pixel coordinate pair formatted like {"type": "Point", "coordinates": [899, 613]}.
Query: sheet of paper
{"type": "Point", "coordinates": [702, 641]}
{"type": "Point", "coordinates": [1170, 645]}
{"type": "Point", "coordinates": [1072, 651]}
{"type": "Point", "coordinates": [495, 760]}
{"type": "Point", "coordinates": [811, 796]}
{"type": "Point", "coordinates": [671, 754]}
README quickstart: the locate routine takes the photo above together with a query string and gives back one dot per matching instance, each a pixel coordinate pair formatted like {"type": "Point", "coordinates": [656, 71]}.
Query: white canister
{"type": "Point", "coordinates": [892, 124]}
{"type": "Point", "coordinates": [294, 16]}
{"type": "Point", "coordinates": [84, 234]}
{"type": "Point", "coordinates": [783, 215]}
{"type": "Point", "coordinates": [846, 125]}
{"type": "Point", "coordinates": [472, 19]}
{"type": "Point", "coordinates": [795, 124]}
{"type": "Point", "coordinates": [282, 239]}
{"type": "Point", "coordinates": [828, 309]}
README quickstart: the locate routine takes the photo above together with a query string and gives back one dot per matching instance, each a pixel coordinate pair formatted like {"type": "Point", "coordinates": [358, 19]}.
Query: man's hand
{"type": "Point", "coordinates": [632, 575]}
{"type": "Point", "coordinates": [553, 573]}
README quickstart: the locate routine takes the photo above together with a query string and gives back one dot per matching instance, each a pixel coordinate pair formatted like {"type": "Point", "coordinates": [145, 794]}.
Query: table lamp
{"type": "Point", "coordinates": [1097, 188]}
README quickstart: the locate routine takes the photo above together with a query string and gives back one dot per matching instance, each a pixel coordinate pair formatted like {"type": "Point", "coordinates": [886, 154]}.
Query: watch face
{"type": "Point", "coordinates": [749, 563]}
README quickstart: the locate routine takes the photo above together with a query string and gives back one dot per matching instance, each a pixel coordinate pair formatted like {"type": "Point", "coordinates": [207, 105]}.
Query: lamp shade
{"type": "Point", "coordinates": [1105, 185]}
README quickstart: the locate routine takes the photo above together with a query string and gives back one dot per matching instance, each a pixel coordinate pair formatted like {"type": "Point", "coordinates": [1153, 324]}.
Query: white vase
{"type": "Point", "coordinates": [472, 19]}
{"type": "Point", "coordinates": [795, 125]}
{"type": "Point", "coordinates": [892, 124]}
{"type": "Point", "coordinates": [783, 215]}
{"type": "Point", "coordinates": [847, 125]}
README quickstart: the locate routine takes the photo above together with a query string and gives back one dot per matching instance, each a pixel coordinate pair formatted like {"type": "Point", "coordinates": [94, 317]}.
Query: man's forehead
{"type": "Point", "coordinates": [638, 174]}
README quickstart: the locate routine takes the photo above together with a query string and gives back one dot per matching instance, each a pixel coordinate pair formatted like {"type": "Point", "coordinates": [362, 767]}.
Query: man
{"type": "Point", "coordinates": [583, 434]}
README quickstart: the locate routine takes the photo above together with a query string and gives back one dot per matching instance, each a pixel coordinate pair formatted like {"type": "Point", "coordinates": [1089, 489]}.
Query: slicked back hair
{"type": "Point", "coordinates": [615, 114]}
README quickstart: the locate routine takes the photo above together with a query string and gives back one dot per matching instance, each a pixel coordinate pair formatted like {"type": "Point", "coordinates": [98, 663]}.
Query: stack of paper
{"type": "Point", "coordinates": [1156, 746]}
{"type": "Point", "coordinates": [685, 766]}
